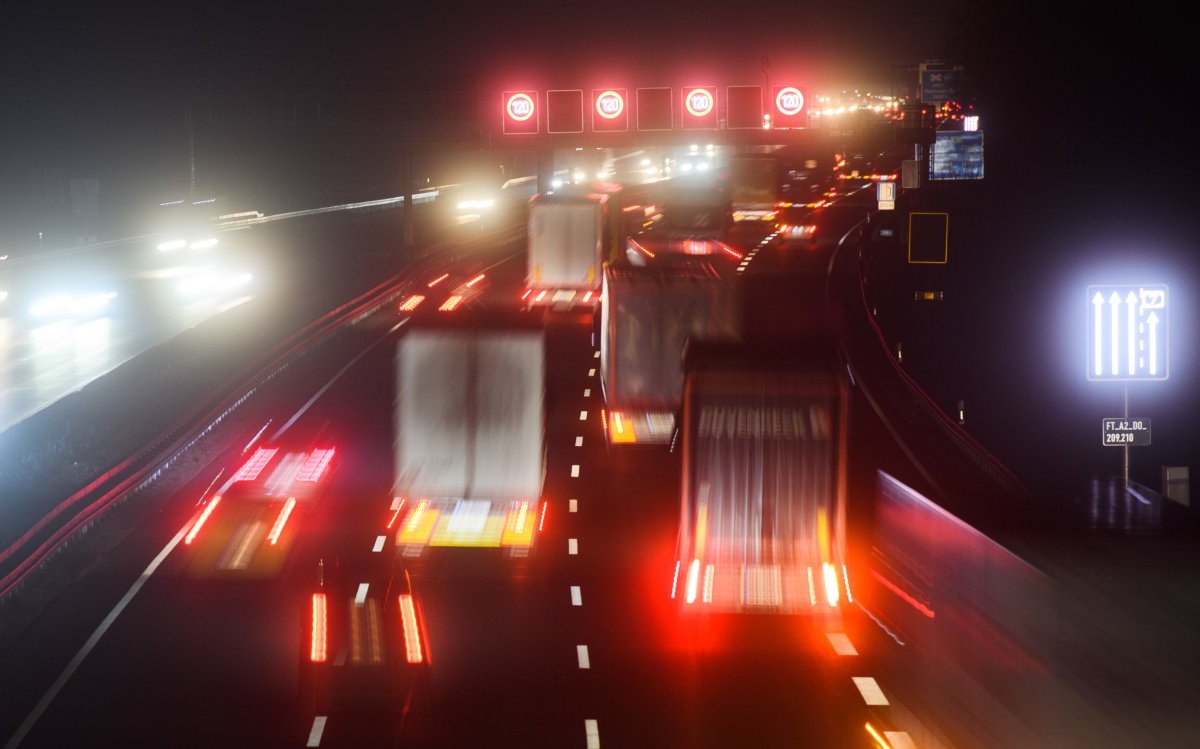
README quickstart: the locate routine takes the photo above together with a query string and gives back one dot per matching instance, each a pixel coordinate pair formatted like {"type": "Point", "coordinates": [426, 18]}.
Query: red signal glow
{"type": "Point", "coordinates": [609, 113]}
{"type": "Point", "coordinates": [791, 107]}
{"type": "Point", "coordinates": [699, 102]}
{"type": "Point", "coordinates": [519, 107]}
{"type": "Point", "coordinates": [520, 113]}
{"type": "Point", "coordinates": [316, 651]}
{"type": "Point", "coordinates": [610, 104]}
{"type": "Point", "coordinates": [789, 101]}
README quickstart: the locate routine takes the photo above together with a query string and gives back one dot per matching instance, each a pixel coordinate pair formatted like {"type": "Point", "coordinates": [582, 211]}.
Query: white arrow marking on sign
{"type": "Point", "coordinates": [1098, 305]}
{"type": "Point", "coordinates": [1115, 301]}
{"type": "Point", "coordinates": [1153, 322]}
{"type": "Point", "coordinates": [1130, 303]}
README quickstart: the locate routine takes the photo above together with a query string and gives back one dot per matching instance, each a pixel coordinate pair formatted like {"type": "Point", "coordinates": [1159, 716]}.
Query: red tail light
{"type": "Point", "coordinates": [412, 636]}
{"type": "Point", "coordinates": [317, 648]}
{"type": "Point", "coordinates": [315, 465]}
{"type": "Point", "coordinates": [281, 520]}
{"type": "Point", "coordinates": [253, 467]}
{"type": "Point", "coordinates": [200, 521]}
{"type": "Point", "coordinates": [438, 280]}
{"type": "Point", "coordinates": [411, 303]}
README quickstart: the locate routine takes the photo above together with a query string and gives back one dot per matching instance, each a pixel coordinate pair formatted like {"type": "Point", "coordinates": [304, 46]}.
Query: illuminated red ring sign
{"type": "Point", "coordinates": [610, 105]}
{"type": "Point", "coordinates": [699, 102]}
{"type": "Point", "coordinates": [519, 107]}
{"type": "Point", "coordinates": [789, 101]}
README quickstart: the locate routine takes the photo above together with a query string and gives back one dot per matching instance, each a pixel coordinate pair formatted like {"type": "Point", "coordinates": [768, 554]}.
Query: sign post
{"type": "Point", "coordinates": [1127, 341]}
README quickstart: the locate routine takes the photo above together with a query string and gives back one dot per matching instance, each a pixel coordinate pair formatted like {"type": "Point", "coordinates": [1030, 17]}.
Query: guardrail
{"type": "Point", "coordinates": [970, 448]}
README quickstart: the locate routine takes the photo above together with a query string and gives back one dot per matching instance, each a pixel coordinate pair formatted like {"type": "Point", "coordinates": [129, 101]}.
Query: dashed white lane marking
{"type": "Point", "coordinates": [575, 471]}
{"type": "Point", "coordinates": [73, 666]}
{"type": "Point", "coordinates": [841, 643]}
{"type": "Point", "coordinates": [318, 728]}
{"type": "Point", "coordinates": [576, 596]}
{"type": "Point", "coordinates": [379, 542]}
{"type": "Point", "coordinates": [591, 373]}
{"type": "Point", "coordinates": [583, 415]}
{"type": "Point", "coordinates": [579, 441]}
{"type": "Point", "coordinates": [572, 546]}
{"type": "Point", "coordinates": [592, 728]}
{"type": "Point", "coordinates": [573, 505]}
{"type": "Point", "coordinates": [581, 652]}
{"type": "Point", "coordinates": [870, 691]}
{"type": "Point", "coordinates": [596, 355]}
{"type": "Point", "coordinates": [396, 502]}
{"type": "Point", "coordinates": [361, 596]}
{"type": "Point", "coordinates": [899, 740]}
{"type": "Point", "coordinates": [587, 392]}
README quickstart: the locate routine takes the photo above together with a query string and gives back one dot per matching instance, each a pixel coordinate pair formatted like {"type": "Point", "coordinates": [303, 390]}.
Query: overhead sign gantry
{"type": "Point", "coordinates": [615, 114]}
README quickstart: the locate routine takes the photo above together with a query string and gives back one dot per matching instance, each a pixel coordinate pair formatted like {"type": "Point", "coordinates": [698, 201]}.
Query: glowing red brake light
{"type": "Point", "coordinates": [412, 636]}
{"type": "Point", "coordinates": [315, 465]}
{"type": "Point", "coordinates": [410, 304]}
{"type": "Point", "coordinates": [316, 652]}
{"type": "Point", "coordinates": [253, 467]}
{"type": "Point", "coordinates": [281, 520]}
{"type": "Point", "coordinates": [476, 280]}
{"type": "Point", "coordinates": [438, 280]}
{"type": "Point", "coordinates": [200, 521]}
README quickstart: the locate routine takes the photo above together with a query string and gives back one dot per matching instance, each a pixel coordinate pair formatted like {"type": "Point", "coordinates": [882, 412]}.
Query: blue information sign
{"type": "Point", "coordinates": [956, 154]}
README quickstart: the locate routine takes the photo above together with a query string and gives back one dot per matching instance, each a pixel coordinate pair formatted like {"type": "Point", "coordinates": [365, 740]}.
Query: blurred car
{"type": "Point", "coordinates": [798, 227]}
{"type": "Point", "coordinates": [248, 527]}
{"type": "Point", "coordinates": [364, 648]}
{"type": "Point", "coordinates": [447, 291]}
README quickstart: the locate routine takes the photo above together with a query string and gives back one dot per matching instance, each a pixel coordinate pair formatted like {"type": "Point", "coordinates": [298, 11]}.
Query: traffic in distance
{"type": "Point", "coordinates": [605, 467]}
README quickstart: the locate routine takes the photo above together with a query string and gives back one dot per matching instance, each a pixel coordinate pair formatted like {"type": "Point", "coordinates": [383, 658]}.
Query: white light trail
{"type": "Point", "coordinates": [1115, 302]}
{"type": "Point", "coordinates": [1152, 323]}
{"type": "Point", "coordinates": [1131, 333]}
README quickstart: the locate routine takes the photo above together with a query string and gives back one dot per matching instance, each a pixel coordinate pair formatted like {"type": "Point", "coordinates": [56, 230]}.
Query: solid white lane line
{"type": "Point", "coordinates": [587, 392]}
{"type": "Point", "coordinates": [579, 441]}
{"type": "Point", "coordinates": [583, 415]}
{"type": "Point", "coordinates": [379, 542]}
{"type": "Point", "coordinates": [573, 505]}
{"type": "Point", "coordinates": [360, 597]}
{"type": "Point", "coordinates": [592, 729]}
{"type": "Point", "coordinates": [318, 728]}
{"type": "Point", "coordinates": [899, 740]}
{"type": "Point", "coordinates": [870, 691]}
{"type": "Point", "coordinates": [73, 666]}
{"type": "Point", "coordinates": [572, 546]}
{"type": "Point", "coordinates": [841, 643]}
{"type": "Point", "coordinates": [591, 373]}
{"type": "Point", "coordinates": [581, 652]}
{"type": "Point", "coordinates": [575, 471]}
{"type": "Point", "coordinates": [576, 596]}
{"type": "Point", "coordinates": [317, 396]}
